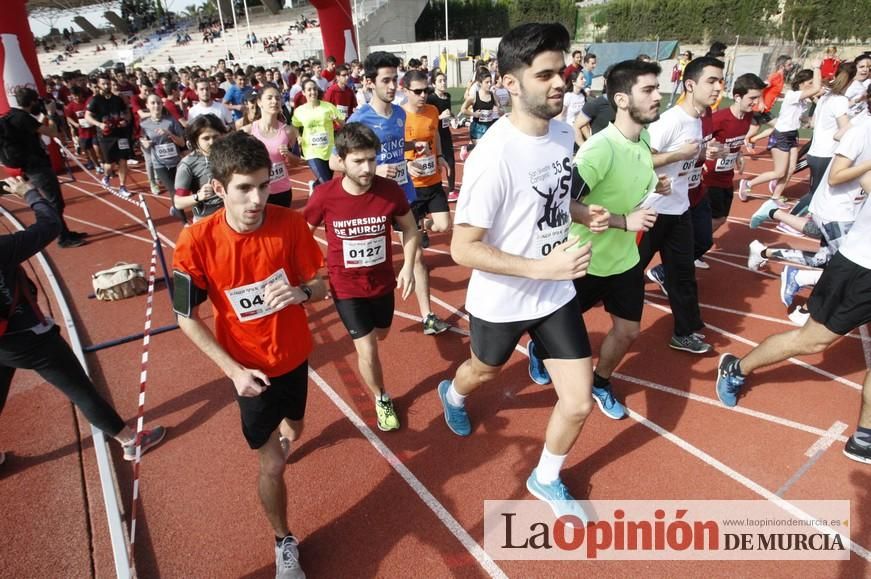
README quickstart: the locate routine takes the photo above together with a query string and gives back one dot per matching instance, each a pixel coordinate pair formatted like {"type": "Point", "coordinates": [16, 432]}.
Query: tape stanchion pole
{"type": "Point", "coordinates": [152, 230]}
{"type": "Point", "coordinates": [140, 418]}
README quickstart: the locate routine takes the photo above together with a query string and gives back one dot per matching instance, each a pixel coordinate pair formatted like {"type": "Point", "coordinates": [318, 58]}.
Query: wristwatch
{"type": "Point", "coordinates": [307, 291]}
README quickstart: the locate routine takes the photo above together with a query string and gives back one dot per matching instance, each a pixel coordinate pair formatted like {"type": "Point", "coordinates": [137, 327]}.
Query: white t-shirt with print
{"type": "Point", "coordinates": [573, 103]}
{"type": "Point", "coordinates": [856, 247]}
{"type": "Point", "coordinates": [791, 110]}
{"type": "Point", "coordinates": [518, 188]}
{"type": "Point", "coordinates": [829, 108]}
{"type": "Point", "coordinates": [842, 202]}
{"type": "Point", "coordinates": [215, 108]}
{"type": "Point", "coordinates": [674, 129]}
{"type": "Point", "coordinates": [854, 91]}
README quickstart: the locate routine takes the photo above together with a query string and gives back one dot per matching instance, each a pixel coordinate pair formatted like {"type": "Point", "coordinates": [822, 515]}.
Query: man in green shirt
{"type": "Point", "coordinates": [616, 170]}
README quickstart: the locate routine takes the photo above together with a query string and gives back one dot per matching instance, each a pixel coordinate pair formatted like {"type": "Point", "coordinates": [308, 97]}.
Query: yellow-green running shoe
{"type": "Point", "coordinates": [387, 419]}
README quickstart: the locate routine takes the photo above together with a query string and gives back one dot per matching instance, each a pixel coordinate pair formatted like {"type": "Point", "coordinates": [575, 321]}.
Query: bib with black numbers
{"type": "Point", "coordinates": [248, 301]}
{"type": "Point", "coordinates": [364, 252]}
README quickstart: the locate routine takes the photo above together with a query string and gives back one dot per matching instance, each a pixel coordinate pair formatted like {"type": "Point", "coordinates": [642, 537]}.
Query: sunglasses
{"type": "Point", "coordinates": [419, 91]}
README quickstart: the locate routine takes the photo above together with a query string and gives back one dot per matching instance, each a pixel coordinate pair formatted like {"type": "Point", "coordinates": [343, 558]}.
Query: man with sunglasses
{"type": "Point", "coordinates": [340, 94]}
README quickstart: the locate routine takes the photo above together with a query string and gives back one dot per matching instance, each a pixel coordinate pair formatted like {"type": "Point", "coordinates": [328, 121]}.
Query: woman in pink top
{"type": "Point", "coordinates": [278, 138]}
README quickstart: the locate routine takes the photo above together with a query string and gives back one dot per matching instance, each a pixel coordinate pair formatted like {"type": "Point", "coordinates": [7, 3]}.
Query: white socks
{"type": "Point", "coordinates": [549, 466]}
{"type": "Point", "coordinates": [454, 397]}
{"type": "Point", "coordinates": [807, 277]}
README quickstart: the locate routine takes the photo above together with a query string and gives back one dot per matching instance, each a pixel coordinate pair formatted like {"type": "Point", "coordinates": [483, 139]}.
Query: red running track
{"type": "Point", "coordinates": [366, 503]}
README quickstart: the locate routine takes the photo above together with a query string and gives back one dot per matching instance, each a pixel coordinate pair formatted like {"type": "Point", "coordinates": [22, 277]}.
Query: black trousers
{"type": "Point", "coordinates": [448, 153]}
{"type": "Point", "coordinates": [818, 166]}
{"type": "Point", "coordinates": [703, 227]}
{"type": "Point", "coordinates": [672, 236]}
{"type": "Point", "coordinates": [53, 359]}
{"type": "Point", "coordinates": [46, 181]}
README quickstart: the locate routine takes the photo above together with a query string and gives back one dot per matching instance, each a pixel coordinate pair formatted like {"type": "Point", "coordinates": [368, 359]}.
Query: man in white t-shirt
{"type": "Point", "coordinates": [679, 151]}
{"type": "Point", "coordinates": [206, 106]}
{"type": "Point", "coordinates": [511, 228]}
{"type": "Point", "coordinates": [840, 303]}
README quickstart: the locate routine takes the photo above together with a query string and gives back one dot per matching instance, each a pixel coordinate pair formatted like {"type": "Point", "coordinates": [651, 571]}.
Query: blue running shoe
{"type": "Point", "coordinates": [729, 380]}
{"type": "Point", "coordinates": [657, 276]}
{"type": "Point", "coordinates": [762, 214]}
{"type": "Point", "coordinates": [788, 286]}
{"type": "Point", "coordinates": [455, 416]}
{"type": "Point", "coordinates": [609, 405]}
{"type": "Point", "coordinates": [537, 371]}
{"type": "Point", "coordinates": [557, 496]}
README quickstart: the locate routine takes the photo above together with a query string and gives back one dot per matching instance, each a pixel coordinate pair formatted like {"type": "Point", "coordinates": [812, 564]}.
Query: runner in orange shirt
{"type": "Point", "coordinates": [258, 266]}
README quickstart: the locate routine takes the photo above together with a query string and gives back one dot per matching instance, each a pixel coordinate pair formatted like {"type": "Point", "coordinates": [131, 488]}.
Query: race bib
{"type": "Point", "coordinates": [694, 178]}
{"type": "Point", "coordinates": [726, 163]}
{"type": "Point", "coordinates": [319, 139]}
{"type": "Point", "coordinates": [486, 115]}
{"type": "Point", "coordinates": [549, 239]}
{"type": "Point", "coordinates": [686, 167]}
{"type": "Point", "coordinates": [277, 172]}
{"type": "Point", "coordinates": [247, 300]}
{"type": "Point", "coordinates": [401, 176]}
{"type": "Point", "coordinates": [166, 151]}
{"type": "Point", "coordinates": [83, 123]}
{"type": "Point", "coordinates": [446, 122]}
{"type": "Point", "coordinates": [343, 111]}
{"type": "Point", "coordinates": [123, 144]}
{"type": "Point", "coordinates": [364, 252]}
{"type": "Point", "coordinates": [427, 165]}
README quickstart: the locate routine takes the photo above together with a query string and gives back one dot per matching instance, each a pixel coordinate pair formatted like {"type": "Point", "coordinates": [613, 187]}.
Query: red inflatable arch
{"type": "Point", "coordinates": [337, 29]}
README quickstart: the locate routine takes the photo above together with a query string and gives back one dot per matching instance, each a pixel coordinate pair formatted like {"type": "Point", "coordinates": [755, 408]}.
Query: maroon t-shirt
{"type": "Point", "coordinates": [729, 130]}
{"type": "Point", "coordinates": [358, 227]}
{"type": "Point", "coordinates": [345, 100]}
{"type": "Point", "coordinates": [698, 192]}
{"type": "Point", "coordinates": [76, 111]}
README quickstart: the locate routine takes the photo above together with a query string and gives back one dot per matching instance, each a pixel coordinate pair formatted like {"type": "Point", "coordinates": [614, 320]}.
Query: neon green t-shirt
{"type": "Point", "coordinates": [317, 129]}
{"type": "Point", "coordinates": [618, 174]}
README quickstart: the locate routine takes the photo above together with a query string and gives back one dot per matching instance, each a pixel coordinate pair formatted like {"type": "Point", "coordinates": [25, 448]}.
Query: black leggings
{"type": "Point", "coordinates": [53, 359]}
{"type": "Point", "coordinates": [166, 176]}
{"type": "Point", "coordinates": [818, 166]}
{"type": "Point", "coordinates": [448, 153]}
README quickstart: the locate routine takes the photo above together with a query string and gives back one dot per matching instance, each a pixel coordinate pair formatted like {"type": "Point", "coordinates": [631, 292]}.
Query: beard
{"type": "Point", "coordinates": [542, 109]}
{"type": "Point", "coordinates": [640, 117]}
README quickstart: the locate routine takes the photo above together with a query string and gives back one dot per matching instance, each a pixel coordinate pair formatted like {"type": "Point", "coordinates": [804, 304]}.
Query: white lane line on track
{"type": "Point", "coordinates": [448, 520]}
{"type": "Point", "coordinates": [814, 453]}
{"type": "Point", "coordinates": [746, 482]}
{"type": "Point", "coordinates": [753, 344]}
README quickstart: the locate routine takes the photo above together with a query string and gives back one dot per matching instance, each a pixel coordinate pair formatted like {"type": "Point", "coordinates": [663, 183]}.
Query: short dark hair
{"type": "Point", "coordinates": [356, 137]}
{"type": "Point", "coordinates": [696, 67]}
{"type": "Point", "coordinates": [781, 60]}
{"type": "Point", "coordinates": [717, 50]}
{"type": "Point", "coordinates": [521, 44]}
{"type": "Point", "coordinates": [801, 77]}
{"type": "Point", "coordinates": [576, 53]}
{"type": "Point", "coordinates": [622, 76]}
{"type": "Point", "coordinates": [239, 153]}
{"type": "Point", "coordinates": [376, 60]}
{"type": "Point", "coordinates": [747, 82]}
{"type": "Point", "coordinates": [414, 75]}
{"type": "Point", "coordinates": [413, 63]}
{"type": "Point", "coordinates": [331, 59]}
{"type": "Point", "coordinates": [26, 96]}
{"type": "Point", "coordinates": [483, 74]}
{"type": "Point", "coordinates": [342, 69]}
{"type": "Point", "coordinates": [199, 124]}
{"type": "Point", "coordinates": [589, 56]}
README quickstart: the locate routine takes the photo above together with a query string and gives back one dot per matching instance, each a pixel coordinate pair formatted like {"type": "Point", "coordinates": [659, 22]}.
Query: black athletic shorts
{"type": "Point", "coordinates": [622, 294]}
{"type": "Point", "coordinates": [761, 118]}
{"type": "Point", "coordinates": [841, 300]}
{"type": "Point", "coordinates": [114, 149]}
{"type": "Point", "coordinates": [86, 143]}
{"type": "Point", "coordinates": [783, 141]}
{"type": "Point", "coordinates": [721, 201]}
{"type": "Point", "coordinates": [362, 315]}
{"type": "Point", "coordinates": [284, 398]}
{"type": "Point", "coordinates": [561, 335]}
{"type": "Point", "coordinates": [429, 200]}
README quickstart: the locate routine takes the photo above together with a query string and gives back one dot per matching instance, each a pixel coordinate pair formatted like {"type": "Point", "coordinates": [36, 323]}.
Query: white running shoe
{"type": "Point", "coordinates": [311, 188]}
{"type": "Point", "coordinates": [755, 261]}
{"type": "Point", "coordinates": [799, 316]}
{"type": "Point", "coordinates": [743, 190]}
{"type": "Point", "coordinates": [702, 264]}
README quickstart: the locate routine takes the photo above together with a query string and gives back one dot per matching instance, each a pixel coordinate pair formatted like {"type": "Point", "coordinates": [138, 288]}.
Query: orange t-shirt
{"type": "Point", "coordinates": [233, 269]}
{"type": "Point", "coordinates": [422, 130]}
{"type": "Point", "coordinates": [772, 91]}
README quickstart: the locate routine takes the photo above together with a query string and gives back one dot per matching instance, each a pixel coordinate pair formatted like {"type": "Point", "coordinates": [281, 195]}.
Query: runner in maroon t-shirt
{"type": "Point", "coordinates": [340, 94]}
{"type": "Point", "coordinates": [358, 212]}
{"type": "Point", "coordinates": [75, 114]}
{"type": "Point", "coordinates": [731, 126]}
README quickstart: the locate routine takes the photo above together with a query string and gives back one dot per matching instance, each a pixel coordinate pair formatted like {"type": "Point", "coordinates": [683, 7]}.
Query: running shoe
{"type": "Point", "coordinates": [799, 316]}
{"type": "Point", "coordinates": [782, 202]}
{"type": "Point", "coordinates": [69, 242]}
{"type": "Point", "coordinates": [763, 214]}
{"type": "Point", "coordinates": [464, 153]}
{"type": "Point", "coordinates": [311, 188]}
{"type": "Point", "coordinates": [122, 190]}
{"type": "Point", "coordinates": [729, 380]}
{"type": "Point", "coordinates": [692, 344]}
{"type": "Point", "coordinates": [701, 264]}
{"type": "Point", "coordinates": [537, 372]}
{"type": "Point", "coordinates": [386, 413]}
{"type": "Point", "coordinates": [89, 165]}
{"type": "Point", "coordinates": [424, 239]}
{"type": "Point", "coordinates": [105, 181]}
{"type": "Point", "coordinates": [433, 325]}
{"type": "Point", "coordinates": [453, 196]}
{"type": "Point", "coordinates": [100, 170]}
{"type": "Point", "coordinates": [788, 286]}
{"type": "Point", "coordinates": [609, 405]}
{"type": "Point", "coordinates": [287, 559]}
{"type": "Point", "coordinates": [755, 261]}
{"type": "Point", "coordinates": [147, 439]}
{"type": "Point", "coordinates": [743, 190]}
{"type": "Point", "coordinates": [784, 228]}
{"type": "Point", "coordinates": [657, 276]}
{"type": "Point", "coordinates": [858, 450]}
{"type": "Point", "coordinates": [155, 188]}
{"type": "Point", "coordinates": [132, 162]}
{"type": "Point", "coordinates": [800, 166]}
{"type": "Point", "coordinates": [455, 416]}
{"type": "Point", "coordinates": [77, 234]}
{"type": "Point", "coordinates": [772, 185]}
{"type": "Point", "coordinates": [557, 497]}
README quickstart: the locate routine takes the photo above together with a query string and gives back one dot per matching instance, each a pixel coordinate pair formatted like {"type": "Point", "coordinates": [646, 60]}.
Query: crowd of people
{"type": "Point", "coordinates": [567, 197]}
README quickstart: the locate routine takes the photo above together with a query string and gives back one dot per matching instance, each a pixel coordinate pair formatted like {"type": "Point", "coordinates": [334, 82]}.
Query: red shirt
{"type": "Point", "coordinates": [567, 73]}
{"type": "Point", "coordinates": [329, 75]}
{"type": "Point", "coordinates": [358, 227]}
{"type": "Point", "coordinates": [344, 99]}
{"type": "Point", "coordinates": [173, 109]}
{"type": "Point", "coordinates": [299, 100]}
{"type": "Point", "coordinates": [730, 130]}
{"type": "Point", "coordinates": [697, 192]}
{"type": "Point", "coordinates": [76, 111]}
{"type": "Point", "coordinates": [231, 267]}
{"type": "Point", "coordinates": [829, 68]}
{"type": "Point", "coordinates": [772, 91]}
{"type": "Point", "coordinates": [137, 103]}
